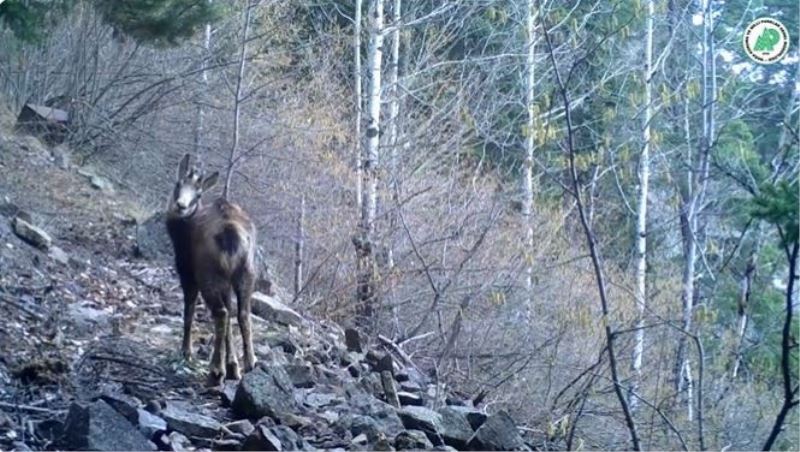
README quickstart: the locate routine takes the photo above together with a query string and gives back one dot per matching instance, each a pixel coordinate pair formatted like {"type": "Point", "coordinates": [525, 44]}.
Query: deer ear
{"type": "Point", "coordinates": [211, 180]}
{"type": "Point", "coordinates": [183, 167]}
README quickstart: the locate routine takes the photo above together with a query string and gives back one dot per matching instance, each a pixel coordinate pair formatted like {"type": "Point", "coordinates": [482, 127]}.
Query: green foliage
{"type": "Point", "coordinates": [158, 22]}
{"type": "Point", "coordinates": [778, 205]}
{"type": "Point", "coordinates": [28, 19]}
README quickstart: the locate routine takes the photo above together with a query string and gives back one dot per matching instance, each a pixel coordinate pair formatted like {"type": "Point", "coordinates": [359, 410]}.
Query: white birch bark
{"type": "Point", "coordinates": [358, 101]}
{"type": "Point", "coordinates": [641, 220]}
{"type": "Point", "coordinates": [200, 114]}
{"type": "Point", "coordinates": [530, 143]}
{"type": "Point", "coordinates": [394, 116]}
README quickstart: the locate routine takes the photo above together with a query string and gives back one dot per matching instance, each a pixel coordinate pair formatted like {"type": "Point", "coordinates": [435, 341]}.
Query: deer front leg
{"type": "Point", "coordinates": [189, 303]}
{"type": "Point", "coordinates": [216, 372]}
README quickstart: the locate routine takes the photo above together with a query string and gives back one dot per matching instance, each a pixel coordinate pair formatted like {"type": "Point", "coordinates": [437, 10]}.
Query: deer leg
{"type": "Point", "coordinates": [220, 314]}
{"type": "Point", "coordinates": [189, 303]}
{"type": "Point", "coordinates": [244, 289]}
{"type": "Point", "coordinates": [231, 362]}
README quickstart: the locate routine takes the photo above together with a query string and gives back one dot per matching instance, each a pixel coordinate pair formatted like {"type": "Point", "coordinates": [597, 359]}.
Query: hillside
{"type": "Point", "coordinates": [89, 346]}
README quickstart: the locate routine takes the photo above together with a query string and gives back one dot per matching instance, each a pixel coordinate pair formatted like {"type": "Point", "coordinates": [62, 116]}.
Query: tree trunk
{"type": "Point", "coordinates": [199, 124]}
{"type": "Point", "coordinates": [530, 142]}
{"type": "Point", "coordinates": [298, 249]}
{"type": "Point", "coordinates": [237, 101]}
{"type": "Point", "coordinates": [394, 117]}
{"type": "Point", "coordinates": [365, 243]}
{"type": "Point", "coordinates": [358, 101]}
{"type": "Point", "coordinates": [641, 223]}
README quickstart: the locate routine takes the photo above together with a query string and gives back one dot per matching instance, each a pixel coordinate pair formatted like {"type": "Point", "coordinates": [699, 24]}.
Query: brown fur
{"type": "Point", "coordinates": [215, 255]}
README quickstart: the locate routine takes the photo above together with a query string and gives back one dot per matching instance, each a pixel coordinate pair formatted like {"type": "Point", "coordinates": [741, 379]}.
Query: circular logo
{"type": "Point", "coordinates": [766, 40]}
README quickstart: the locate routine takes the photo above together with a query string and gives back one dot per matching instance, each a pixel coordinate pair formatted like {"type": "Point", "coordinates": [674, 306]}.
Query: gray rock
{"type": "Point", "coordinates": [424, 419]}
{"type": "Point", "coordinates": [454, 428]}
{"type": "Point", "coordinates": [178, 442]}
{"type": "Point", "coordinates": [269, 308]}
{"type": "Point", "coordinates": [498, 433]}
{"type": "Point", "coordinates": [409, 398]}
{"type": "Point", "coordinates": [9, 209]}
{"type": "Point", "coordinates": [277, 438]}
{"type": "Point", "coordinates": [302, 375]}
{"type": "Point", "coordinates": [242, 426]}
{"type": "Point", "coordinates": [58, 255]}
{"type": "Point", "coordinates": [386, 417]}
{"type": "Point", "coordinates": [152, 240]}
{"type": "Point", "coordinates": [365, 425]}
{"type": "Point", "coordinates": [100, 427]}
{"type": "Point", "coordinates": [474, 417]}
{"type": "Point", "coordinates": [180, 417]}
{"type": "Point", "coordinates": [264, 392]}
{"type": "Point", "coordinates": [228, 393]}
{"type": "Point", "coordinates": [31, 234]}
{"type": "Point", "coordinates": [412, 440]}
{"type": "Point", "coordinates": [150, 424]}
{"type": "Point", "coordinates": [123, 404]}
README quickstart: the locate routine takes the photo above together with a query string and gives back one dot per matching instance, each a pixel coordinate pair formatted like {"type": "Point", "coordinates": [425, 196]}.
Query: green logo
{"type": "Point", "coordinates": [766, 40]}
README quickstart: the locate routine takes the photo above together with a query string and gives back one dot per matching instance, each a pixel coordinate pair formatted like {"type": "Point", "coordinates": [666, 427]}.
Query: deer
{"type": "Point", "coordinates": [214, 249]}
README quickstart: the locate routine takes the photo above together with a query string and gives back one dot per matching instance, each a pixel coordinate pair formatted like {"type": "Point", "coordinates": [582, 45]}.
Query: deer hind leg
{"type": "Point", "coordinates": [189, 303]}
{"type": "Point", "coordinates": [231, 362]}
{"type": "Point", "coordinates": [219, 313]}
{"type": "Point", "coordinates": [244, 284]}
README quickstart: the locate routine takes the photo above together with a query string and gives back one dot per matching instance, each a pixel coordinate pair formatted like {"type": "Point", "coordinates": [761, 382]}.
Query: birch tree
{"type": "Point", "coordinates": [200, 113]}
{"type": "Point", "coordinates": [358, 101]}
{"type": "Point", "coordinates": [641, 219]}
{"type": "Point", "coordinates": [364, 244]}
{"type": "Point", "coordinates": [692, 199]}
{"type": "Point", "coordinates": [530, 137]}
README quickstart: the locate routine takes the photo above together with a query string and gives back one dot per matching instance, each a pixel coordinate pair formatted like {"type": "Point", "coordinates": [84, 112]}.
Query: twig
{"type": "Point", "coordinates": [29, 408]}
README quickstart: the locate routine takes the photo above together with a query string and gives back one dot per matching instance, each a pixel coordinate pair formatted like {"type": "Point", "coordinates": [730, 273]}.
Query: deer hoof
{"type": "Point", "coordinates": [214, 379]}
{"type": "Point", "coordinates": [232, 372]}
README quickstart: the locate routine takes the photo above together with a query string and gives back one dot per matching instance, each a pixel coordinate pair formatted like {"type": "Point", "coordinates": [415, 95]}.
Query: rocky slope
{"type": "Point", "coordinates": [90, 337]}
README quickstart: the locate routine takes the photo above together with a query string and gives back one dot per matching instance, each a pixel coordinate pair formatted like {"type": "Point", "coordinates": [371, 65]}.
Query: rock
{"type": "Point", "coordinates": [498, 433]}
{"type": "Point", "coordinates": [228, 393]}
{"type": "Point", "coordinates": [264, 392]}
{"type": "Point", "coordinates": [33, 235]}
{"type": "Point", "coordinates": [227, 444]}
{"type": "Point", "coordinates": [9, 209]}
{"type": "Point", "coordinates": [322, 399]}
{"type": "Point", "coordinates": [276, 438]}
{"type": "Point", "coordinates": [100, 427]}
{"type": "Point", "coordinates": [152, 240]}
{"type": "Point", "coordinates": [420, 418]}
{"type": "Point", "coordinates": [58, 255]}
{"type": "Point", "coordinates": [301, 375]}
{"type": "Point", "coordinates": [408, 398]}
{"type": "Point", "coordinates": [389, 389]}
{"type": "Point", "coordinates": [474, 417]}
{"type": "Point", "coordinates": [352, 340]}
{"type": "Point", "coordinates": [269, 308]}
{"type": "Point", "coordinates": [386, 417]}
{"type": "Point", "coordinates": [179, 417]}
{"type": "Point", "coordinates": [454, 428]}
{"type": "Point", "coordinates": [242, 426]}
{"type": "Point", "coordinates": [412, 440]}
{"type": "Point", "coordinates": [178, 442]}
{"type": "Point", "coordinates": [385, 364]}
{"type": "Point", "coordinates": [365, 425]}
{"type": "Point", "coordinates": [61, 157]}
{"type": "Point", "coordinates": [150, 424]}
{"type": "Point", "coordinates": [123, 404]}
